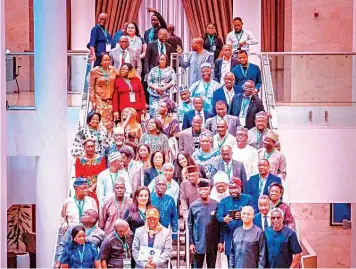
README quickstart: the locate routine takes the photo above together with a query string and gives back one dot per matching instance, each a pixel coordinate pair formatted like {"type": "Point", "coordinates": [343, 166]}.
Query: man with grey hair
{"type": "Point", "coordinates": [245, 153]}
{"type": "Point", "coordinates": [283, 248]}
{"type": "Point", "coordinates": [165, 205]}
{"type": "Point", "coordinates": [246, 105]}
{"type": "Point", "coordinates": [198, 56]}
{"type": "Point", "coordinates": [248, 243]}
{"type": "Point", "coordinates": [115, 251]}
{"type": "Point", "coordinates": [124, 54]}
{"type": "Point", "coordinates": [263, 218]}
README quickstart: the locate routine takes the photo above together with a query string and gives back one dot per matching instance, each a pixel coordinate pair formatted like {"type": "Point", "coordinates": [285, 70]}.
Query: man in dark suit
{"type": "Point", "coordinates": [246, 106]}
{"type": "Point", "coordinates": [226, 92]}
{"type": "Point", "coordinates": [225, 64]}
{"type": "Point", "coordinates": [258, 184]}
{"type": "Point", "coordinates": [156, 48]}
{"type": "Point", "coordinates": [173, 40]}
{"type": "Point", "coordinates": [221, 111]}
{"type": "Point", "coordinates": [247, 71]}
{"type": "Point", "coordinates": [263, 218]}
{"type": "Point", "coordinates": [231, 167]}
{"type": "Point", "coordinates": [198, 110]}
{"type": "Point", "coordinates": [157, 23]}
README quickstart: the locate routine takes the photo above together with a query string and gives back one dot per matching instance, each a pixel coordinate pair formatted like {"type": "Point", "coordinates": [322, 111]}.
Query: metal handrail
{"type": "Point", "coordinates": [81, 122]}
{"type": "Point", "coordinates": [187, 250]}
{"type": "Point", "coordinates": [69, 53]}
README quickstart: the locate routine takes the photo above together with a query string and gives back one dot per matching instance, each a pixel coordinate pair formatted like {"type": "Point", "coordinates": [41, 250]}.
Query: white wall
{"type": "Point", "coordinates": [21, 184]}
{"type": "Point", "coordinates": [320, 163]}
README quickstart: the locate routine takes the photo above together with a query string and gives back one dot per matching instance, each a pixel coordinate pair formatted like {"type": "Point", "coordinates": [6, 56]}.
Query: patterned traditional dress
{"type": "Point", "coordinates": [157, 77]}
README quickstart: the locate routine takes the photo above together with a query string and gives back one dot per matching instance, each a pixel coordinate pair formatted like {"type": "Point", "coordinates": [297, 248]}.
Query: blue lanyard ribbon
{"type": "Point", "coordinates": [81, 255]}
{"type": "Point", "coordinates": [124, 245]}
{"type": "Point", "coordinates": [104, 32]}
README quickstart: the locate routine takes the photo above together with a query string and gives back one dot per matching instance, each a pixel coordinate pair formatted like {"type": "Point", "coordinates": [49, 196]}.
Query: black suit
{"type": "Point", "coordinates": [188, 118]}
{"type": "Point", "coordinates": [217, 68]}
{"type": "Point", "coordinates": [162, 23]}
{"type": "Point", "coordinates": [254, 107]}
{"type": "Point", "coordinates": [152, 54]}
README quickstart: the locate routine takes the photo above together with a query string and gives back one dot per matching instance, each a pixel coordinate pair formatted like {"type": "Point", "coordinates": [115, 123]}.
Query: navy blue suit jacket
{"type": "Point", "coordinates": [217, 68]}
{"type": "Point", "coordinates": [219, 95]}
{"type": "Point", "coordinates": [188, 117]}
{"type": "Point", "coordinates": [252, 187]}
{"type": "Point", "coordinates": [255, 106]}
{"type": "Point", "coordinates": [253, 73]}
{"type": "Point", "coordinates": [257, 220]}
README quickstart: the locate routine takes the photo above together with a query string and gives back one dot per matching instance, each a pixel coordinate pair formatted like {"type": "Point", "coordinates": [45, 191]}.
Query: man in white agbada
{"type": "Point", "coordinates": [219, 191]}
{"type": "Point", "coordinates": [245, 153]}
{"type": "Point", "coordinates": [107, 178]}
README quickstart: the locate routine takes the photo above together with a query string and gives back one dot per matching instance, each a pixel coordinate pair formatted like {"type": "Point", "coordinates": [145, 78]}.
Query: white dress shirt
{"type": "Point", "coordinates": [225, 68]}
{"type": "Point", "coordinates": [229, 94]}
{"type": "Point", "coordinates": [230, 140]}
{"type": "Point", "coordinates": [249, 157]}
{"type": "Point", "coordinates": [263, 220]}
{"type": "Point", "coordinates": [244, 35]}
{"type": "Point", "coordinates": [201, 114]}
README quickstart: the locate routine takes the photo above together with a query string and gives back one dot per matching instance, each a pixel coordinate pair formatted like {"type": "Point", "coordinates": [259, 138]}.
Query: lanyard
{"type": "Point", "coordinates": [211, 39]}
{"type": "Point", "coordinates": [80, 206]}
{"type": "Point", "coordinates": [206, 87]}
{"type": "Point", "coordinates": [143, 216]}
{"type": "Point", "coordinates": [81, 256]}
{"type": "Point", "coordinates": [229, 168]}
{"type": "Point", "coordinates": [239, 37]}
{"type": "Point", "coordinates": [113, 180]}
{"type": "Point", "coordinates": [159, 75]}
{"type": "Point", "coordinates": [88, 231]}
{"type": "Point", "coordinates": [124, 245]}
{"type": "Point", "coordinates": [222, 142]}
{"type": "Point", "coordinates": [161, 47]}
{"type": "Point", "coordinates": [229, 96]}
{"type": "Point", "coordinates": [117, 204]}
{"type": "Point", "coordinates": [261, 185]}
{"type": "Point", "coordinates": [244, 106]}
{"type": "Point", "coordinates": [104, 32]}
{"type": "Point", "coordinates": [258, 138]}
{"type": "Point", "coordinates": [268, 155]}
{"type": "Point", "coordinates": [106, 75]}
{"type": "Point", "coordinates": [128, 84]}
{"type": "Point", "coordinates": [243, 71]}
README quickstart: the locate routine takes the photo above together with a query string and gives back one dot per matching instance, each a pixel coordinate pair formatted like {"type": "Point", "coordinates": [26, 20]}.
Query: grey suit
{"type": "Point", "coordinates": [163, 241]}
{"type": "Point", "coordinates": [232, 122]}
{"type": "Point", "coordinates": [134, 59]}
{"type": "Point", "coordinates": [186, 142]}
{"type": "Point", "coordinates": [136, 173]}
{"type": "Point", "coordinates": [238, 170]}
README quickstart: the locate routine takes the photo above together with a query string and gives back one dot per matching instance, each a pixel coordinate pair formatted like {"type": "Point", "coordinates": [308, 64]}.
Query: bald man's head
{"type": "Point", "coordinates": [197, 44]}
{"type": "Point", "coordinates": [121, 227]}
{"type": "Point", "coordinates": [170, 28]}
{"type": "Point", "coordinates": [247, 214]}
{"type": "Point", "coordinates": [163, 35]}
{"type": "Point", "coordinates": [102, 19]}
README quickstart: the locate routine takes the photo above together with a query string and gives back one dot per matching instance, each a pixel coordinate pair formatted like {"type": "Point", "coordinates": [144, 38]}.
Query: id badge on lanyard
{"type": "Point", "coordinates": [132, 97]}
{"type": "Point", "coordinates": [108, 47]}
{"type": "Point", "coordinates": [243, 121]}
{"type": "Point", "coordinates": [127, 263]}
{"type": "Point", "coordinates": [213, 47]}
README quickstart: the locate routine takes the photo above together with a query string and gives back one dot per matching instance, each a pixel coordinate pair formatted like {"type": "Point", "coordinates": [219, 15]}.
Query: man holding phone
{"type": "Point", "coordinates": [229, 212]}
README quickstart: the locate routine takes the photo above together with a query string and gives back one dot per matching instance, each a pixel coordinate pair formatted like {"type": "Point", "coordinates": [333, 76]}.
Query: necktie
{"type": "Point", "coordinates": [123, 57]}
{"type": "Point", "coordinates": [265, 224]}
{"type": "Point", "coordinates": [162, 48]}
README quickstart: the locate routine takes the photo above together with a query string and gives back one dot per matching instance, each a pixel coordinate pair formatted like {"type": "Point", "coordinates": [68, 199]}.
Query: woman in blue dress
{"type": "Point", "coordinates": [79, 253]}
{"type": "Point", "coordinates": [160, 81]}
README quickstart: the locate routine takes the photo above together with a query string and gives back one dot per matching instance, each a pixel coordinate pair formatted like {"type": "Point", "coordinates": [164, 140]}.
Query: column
{"type": "Point", "coordinates": [353, 236]}
{"type": "Point", "coordinates": [82, 21]}
{"type": "Point", "coordinates": [3, 153]}
{"type": "Point", "coordinates": [250, 13]}
{"type": "Point", "coordinates": [51, 103]}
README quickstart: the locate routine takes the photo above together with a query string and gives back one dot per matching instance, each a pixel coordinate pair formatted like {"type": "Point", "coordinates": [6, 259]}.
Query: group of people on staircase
{"type": "Point", "coordinates": [141, 163]}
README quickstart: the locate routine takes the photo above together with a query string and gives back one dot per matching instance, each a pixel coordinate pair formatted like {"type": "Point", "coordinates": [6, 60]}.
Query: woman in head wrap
{"type": "Point", "coordinates": [206, 155]}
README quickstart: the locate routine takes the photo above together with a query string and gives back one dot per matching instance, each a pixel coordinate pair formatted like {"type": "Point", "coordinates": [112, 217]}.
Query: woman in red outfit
{"type": "Point", "coordinates": [90, 165]}
{"type": "Point", "coordinates": [128, 92]}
